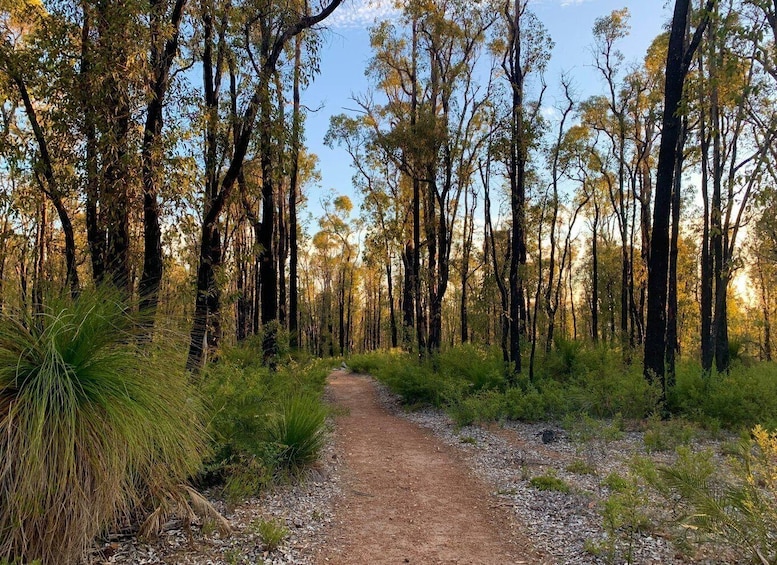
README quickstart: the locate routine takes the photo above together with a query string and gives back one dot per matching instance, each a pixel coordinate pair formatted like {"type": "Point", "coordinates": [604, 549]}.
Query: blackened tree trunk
{"type": "Point", "coordinates": [705, 282]}
{"type": "Point", "coordinates": [268, 269]}
{"type": "Point", "coordinates": [161, 61]}
{"type": "Point", "coordinates": [672, 341]}
{"type": "Point", "coordinates": [392, 309]}
{"type": "Point", "coordinates": [469, 228]}
{"type": "Point", "coordinates": [419, 317]}
{"type": "Point", "coordinates": [677, 63]}
{"type": "Point", "coordinates": [296, 119]}
{"type": "Point", "coordinates": [408, 308]}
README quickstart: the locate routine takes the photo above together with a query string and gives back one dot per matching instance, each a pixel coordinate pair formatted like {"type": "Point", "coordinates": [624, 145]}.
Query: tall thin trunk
{"type": "Point", "coordinates": [766, 348]}
{"type": "Point", "coordinates": [416, 272]}
{"type": "Point", "coordinates": [161, 62]}
{"type": "Point", "coordinates": [39, 275]}
{"type": "Point", "coordinates": [672, 342]}
{"type": "Point", "coordinates": [705, 281]}
{"type": "Point", "coordinates": [469, 221]}
{"type": "Point", "coordinates": [677, 63]}
{"type": "Point", "coordinates": [94, 234]}
{"type": "Point", "coordinates": [408, 285]}
{"type": "Point", "coordinates": [719, 320]}
{"type": "Point", "coordinates": [595, 276]}
{"type": "Point", "coordinates": [293, 191]}
{"type": "Point", "coordinates": [392, 312]}
{"type": "Point", "coordinates": [485, 175]}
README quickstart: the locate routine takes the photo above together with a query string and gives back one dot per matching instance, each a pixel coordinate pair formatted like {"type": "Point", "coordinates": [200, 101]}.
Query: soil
{"type": "Point", "coordinates": [408, 497]}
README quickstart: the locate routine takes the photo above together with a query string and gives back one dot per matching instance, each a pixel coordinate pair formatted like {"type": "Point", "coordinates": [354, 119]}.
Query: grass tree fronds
{"type": "Point", "coordinates": [91, 427]}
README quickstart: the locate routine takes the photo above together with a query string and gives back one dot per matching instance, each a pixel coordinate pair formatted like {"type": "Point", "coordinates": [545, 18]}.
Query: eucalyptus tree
{"type": "Point", "coordinates": [608, 60]}
{"type": "Point", "coordinates": [429, 128]}
{"type": "Point", "coordinates": [271, 26]}
{"type": "Point", "coordinates": [525, 53]}
{"type": "Point", "coordinates": [737, 129]}
{"type": "Point", "coordinates": [679, 56]}
{"type": "Point", "coordinates": [384, 206]}
{"type": "Point", "coordinates": [28, 43]}
{"type": "Point", "coordinates": [565, 165]}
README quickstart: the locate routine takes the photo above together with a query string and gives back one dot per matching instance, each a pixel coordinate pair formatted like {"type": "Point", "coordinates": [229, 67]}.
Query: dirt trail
{"type": "Point", "coordinates": [407, 497]}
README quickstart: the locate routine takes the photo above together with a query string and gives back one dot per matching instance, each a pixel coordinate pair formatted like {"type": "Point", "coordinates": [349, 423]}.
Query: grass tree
{"type": "Point", "coordinates": [91, 427]}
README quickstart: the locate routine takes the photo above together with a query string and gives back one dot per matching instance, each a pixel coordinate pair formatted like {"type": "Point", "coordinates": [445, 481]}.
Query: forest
{"type": "Point", "coordinates": [508, 249]}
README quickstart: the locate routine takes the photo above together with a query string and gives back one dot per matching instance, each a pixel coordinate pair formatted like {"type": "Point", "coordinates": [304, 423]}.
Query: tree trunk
{"type": "Point", "coordinates": [595, 276]}
{"type": "Point", "coordinates": [293, 191]}
{"type": "Point", "coordinates": [672, 342]}
{"type": "Point", "coordinates": [678, 60]}
{"type": "Point", "coordinates": [161, 62]}
{"type": "Point", "coordinates": [392, 312]}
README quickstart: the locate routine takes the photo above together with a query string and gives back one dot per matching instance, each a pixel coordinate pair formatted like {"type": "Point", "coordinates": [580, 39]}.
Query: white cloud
{"type": "Point", "coordinates": [361, 13]}
{"type": "Point", "coordinates": [565, 3]}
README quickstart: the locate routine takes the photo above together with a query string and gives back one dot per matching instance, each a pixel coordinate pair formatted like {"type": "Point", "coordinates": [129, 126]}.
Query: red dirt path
{"type": "Point", "coordinates": [408, 498]}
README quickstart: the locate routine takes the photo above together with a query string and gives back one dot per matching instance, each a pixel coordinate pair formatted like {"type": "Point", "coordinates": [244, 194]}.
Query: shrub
{"type": "Point", "coordinates": [482, 407]}
{"type": "Point", "coordinates": [91, 425]}
{"type": "Point", "coordinates": [258, 418]}
{"type": "Point", "coordinates": [549, 482]}
{"type": "Point", "coordinates": [743, 397]}
{"type": "Point", "coordinates": [271, 532]}
{"type": "Point", "coordinates": [482, 369]}
{"type": "Point", "coordinates": [667, 435]}
{"type": "Point", "coordinates": [581, 467]}
{"type": "Point", "coordinates": [740, 510]}
{"type": "Point", "coordinates": [298, 430]}
{"type": "Point", "coordinates": [623, 514]}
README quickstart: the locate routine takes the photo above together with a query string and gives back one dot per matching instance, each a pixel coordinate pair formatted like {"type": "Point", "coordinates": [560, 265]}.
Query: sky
{"type": "Point", "coordinates": [346, 53]}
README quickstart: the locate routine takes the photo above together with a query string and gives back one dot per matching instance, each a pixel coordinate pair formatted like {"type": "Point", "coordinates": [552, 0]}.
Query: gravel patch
{"type": "Point", "coordinates": [304, 506]}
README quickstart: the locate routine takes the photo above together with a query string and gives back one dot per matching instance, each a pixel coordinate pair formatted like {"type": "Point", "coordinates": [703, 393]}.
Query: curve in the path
{"type": "Point", "coordinates": [407, 497]}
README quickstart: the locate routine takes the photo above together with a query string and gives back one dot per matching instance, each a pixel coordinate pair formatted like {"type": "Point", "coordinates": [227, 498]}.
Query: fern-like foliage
{"type": "Point", "coordinates": [739, 509]}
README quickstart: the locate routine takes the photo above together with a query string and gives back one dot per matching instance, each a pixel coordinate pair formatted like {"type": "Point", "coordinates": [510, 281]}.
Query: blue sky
{"type": "Point", "coordinates": [346, 52]}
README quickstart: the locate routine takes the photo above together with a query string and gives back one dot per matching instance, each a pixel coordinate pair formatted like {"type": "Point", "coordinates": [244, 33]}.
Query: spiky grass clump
{"type": "Point", "coordinates": [91, 426]}
{"type": "Point", "coordinates": [298, 430]}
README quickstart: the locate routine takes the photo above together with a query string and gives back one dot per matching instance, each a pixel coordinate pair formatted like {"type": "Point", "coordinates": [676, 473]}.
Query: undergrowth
{"type": "Point", "coordinates": [265, 424]}
{"type": "Point", "coordinates": [470, 383]}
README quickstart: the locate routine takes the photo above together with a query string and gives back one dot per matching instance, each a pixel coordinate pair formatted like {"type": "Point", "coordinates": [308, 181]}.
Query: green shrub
{"type": "Point", "coordinates": [583, 428]}
{"type": "Point", "coordinates": [623, 515]}
{"type": "Point", "coordinates": [256, 420]}
{"type": "Point", "coordinates": [667, 435]}
{"type": "Point", "coordinates": [741, 398]}
{"type": "Point", "coordinates": [528, 405]}
{"type": "Point", "coordinates": [481, 368]}
{"type": "Point", "coordinates": [482, 407]}
{"type": "Point", "coordinates": [740, 509]}
{"type": "Point", "coordinates": [549, 482]}
{"type": "Point", "coordinates": [91, 425]}
{"type": "Point", "coordinates": [271, 532]}
{"type": "Point", "coordinates": [298, 430]}
{"type": "Point", "coordinates": [581, 467]}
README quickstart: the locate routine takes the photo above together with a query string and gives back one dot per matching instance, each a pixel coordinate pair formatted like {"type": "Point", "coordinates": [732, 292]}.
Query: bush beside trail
{"type": "Point", "coordinates": [469, 383]}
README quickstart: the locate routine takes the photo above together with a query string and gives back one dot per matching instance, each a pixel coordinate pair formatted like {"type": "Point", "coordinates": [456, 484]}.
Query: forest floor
{"type": "Point", "coordinates": [396, 487]}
